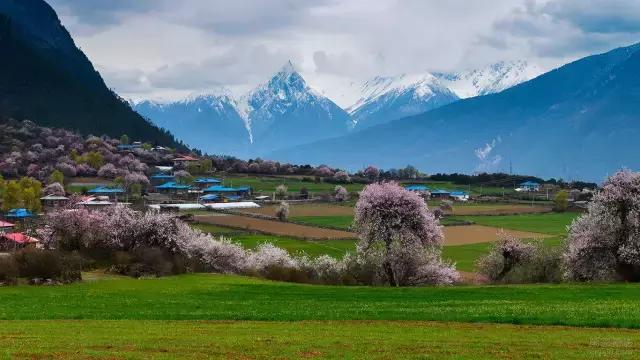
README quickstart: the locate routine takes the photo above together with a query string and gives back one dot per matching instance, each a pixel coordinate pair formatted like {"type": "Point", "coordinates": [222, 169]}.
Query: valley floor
{"type": "Point", "coordinates": [218, 316]}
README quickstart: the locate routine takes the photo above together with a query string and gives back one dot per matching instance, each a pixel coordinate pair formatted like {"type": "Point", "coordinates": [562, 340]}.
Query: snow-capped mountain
{"type": "Point", "coordinates": [209, 122]}
{"type": "Point", "coordinates": [489, 80]}
{"type": "Point", "coordinates": [385, 99]}
{"type": "Point", "coordinates": [283, 112]}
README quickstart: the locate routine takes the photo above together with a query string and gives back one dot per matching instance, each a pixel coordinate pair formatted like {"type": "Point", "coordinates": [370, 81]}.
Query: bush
{"type": "Point", "coordinates": [561, 201]}
{"type": "Point", "coordinates": [514, 261]}
{"type": "Point", "coordinates": [148, 262]}
{"type": "Point", "coordinates": [8, 270]}
{"type": "Point", "coordinates": [48, 264]}
{"type": "Point", "coordinates": [282, 212]}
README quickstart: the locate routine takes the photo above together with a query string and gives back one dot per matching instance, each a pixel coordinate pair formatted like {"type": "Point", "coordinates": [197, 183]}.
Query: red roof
{"type": "Point", "coordinates": [185, 158]}
{"type": "Point", "coordinates": [4, 224]}
{"type": "Point", "coordinates": [20, 238]}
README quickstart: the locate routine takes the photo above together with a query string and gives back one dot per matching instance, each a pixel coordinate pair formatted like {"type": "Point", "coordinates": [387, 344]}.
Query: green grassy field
{"type": "Point", "coordinates": [549, 223]}
{"type": "Point", "coordinates": [335, 221]}
{"type": "Point", "coordinates": [269, 184]}
{"type": "Point", "coordinates": [335, 248]}
{"type": "Point", "coordinates": [225, 297]}
{"type": "Point", "coordinates": [465, 256]}
{"type": "Point", "coordinates": [309, 339]}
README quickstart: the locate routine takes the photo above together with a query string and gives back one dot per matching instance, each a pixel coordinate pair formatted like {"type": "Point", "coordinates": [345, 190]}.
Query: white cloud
{"type": "Point", "coordinates": [164, 48]}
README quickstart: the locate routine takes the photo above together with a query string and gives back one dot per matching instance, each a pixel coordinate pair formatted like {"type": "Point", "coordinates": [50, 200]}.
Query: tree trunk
{"type": "Point", "coordinates": [389, 271]}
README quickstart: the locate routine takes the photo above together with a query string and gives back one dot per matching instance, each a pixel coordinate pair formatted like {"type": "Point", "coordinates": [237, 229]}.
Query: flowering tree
{"type": "Point", "coordinates": [371, 172]}
{"type": "Point", "coordinates": [342, 176]}
{"type": "Point", "coordinates": [54, 189]}
{"type": "Point", "coordinates": [323, 171]}
{"type": "Point", "coordinates": [604, 243]}
{"type": "Point", "coordinates": [282, 212]}
{"type": "Point", "coordinates": [108, 171]}
{"type": "Point", "coordinates": [396, 224]}
{"type": "Point", "coordinates": [182, 176]}
{"type": "Point", "coordinates": [340, 193]}
{"type": "Point", "coordinates": [281, 191]}
{"type": "Point", "coordinates": [504, 256]}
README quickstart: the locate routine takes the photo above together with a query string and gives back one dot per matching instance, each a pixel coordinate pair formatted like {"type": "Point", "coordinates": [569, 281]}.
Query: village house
{"type": "Point", "coordinates": [184, 160]}
{"type": "Point", "coordinates": [15, 241]}
{"type": "Point", "coordinates": [113, 193]}
{"type": "Point", "coordinates": [6, 226]}
{"type": "Point", "coordinates": [173, 188]}
{"type": "Point", "coordinates": [203, 183]}
{"type": "Point", "coordinates": [19, 214]}
{"type": "Point", "coordinates": [229, 193]}
{"type": "Point", "coordinates": [530, 186]}
{"type": "Point", "coordinates": [54, 201]}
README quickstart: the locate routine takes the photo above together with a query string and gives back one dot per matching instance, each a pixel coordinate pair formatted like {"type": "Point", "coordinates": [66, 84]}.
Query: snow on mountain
{"type": "Point", "coordinates": [287, 110]}
{"type": "Point", "coordinates": [488, 80]}
{"type": "Point", "coordinates": [385, 99]}
{"type": "Point", "coordinates": [284, 111]}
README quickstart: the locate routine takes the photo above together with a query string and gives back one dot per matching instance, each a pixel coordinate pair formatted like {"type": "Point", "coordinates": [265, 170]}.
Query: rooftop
{"type": "Point", "coordinates": [106, 190]}
{"type": "Point", "coordinates": [173, 186]}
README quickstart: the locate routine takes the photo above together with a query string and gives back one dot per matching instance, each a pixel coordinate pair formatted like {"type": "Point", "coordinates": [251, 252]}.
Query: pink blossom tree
{"type": "Point", "coordinates": [396, 225]}
{"type": "Point", "coordinates": [604, 243]}
{"type": "Point", "coordinates": [55, 189]}
{"type": "Point", "coordinates": [371, 172]}
{"type": "Point", "coordinates": [340, 194]}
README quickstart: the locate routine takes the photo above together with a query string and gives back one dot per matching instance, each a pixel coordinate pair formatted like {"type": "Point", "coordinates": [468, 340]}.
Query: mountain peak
{"type": "Point", "coordinates": [288, 68]}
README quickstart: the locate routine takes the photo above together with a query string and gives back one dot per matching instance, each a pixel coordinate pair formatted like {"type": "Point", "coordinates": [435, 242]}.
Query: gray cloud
{"type": "Point", "coordinates": [167, 47]}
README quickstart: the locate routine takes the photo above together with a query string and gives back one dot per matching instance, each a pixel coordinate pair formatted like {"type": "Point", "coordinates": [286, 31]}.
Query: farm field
{"type": "Point", "coordinates": [454, 235]}
{"type": "Point", "coordinates": [227, 297]}
{"type": "Point", "coordinates": [71, 339]}
{"type": "Point", "coordinates": [346, 209]}
{"type": "Point", "coordinates": [552, 223]}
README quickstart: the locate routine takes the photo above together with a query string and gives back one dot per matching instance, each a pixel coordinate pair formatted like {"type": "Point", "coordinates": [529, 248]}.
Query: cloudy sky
{"type": "Point", "coordinates": [166, 49]}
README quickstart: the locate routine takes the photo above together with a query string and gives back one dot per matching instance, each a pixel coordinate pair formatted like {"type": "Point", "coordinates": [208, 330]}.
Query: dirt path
{"type": "Point", "coordinates": [275, 227]}
{"type": "Point", "coordinates": [454, 235]}
{"type": "Point", "coordinates": [306, 210]}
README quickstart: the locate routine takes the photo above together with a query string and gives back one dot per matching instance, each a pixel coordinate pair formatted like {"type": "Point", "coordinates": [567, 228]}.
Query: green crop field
{"type": "Point", "coordinates": [548, 223]}
{"type": "Point", "coordinates": [226, 297]}
{"type": "Point", "coordinates": [83, 339]}
{"type": "Point", "coordinates": [269, 184]}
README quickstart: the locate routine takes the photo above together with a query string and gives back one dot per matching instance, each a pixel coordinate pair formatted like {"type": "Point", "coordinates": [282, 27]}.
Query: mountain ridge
{"type": "Point", "coordinates": [562, 108]}
{"type": "Point", "coordinates": [48, 80]}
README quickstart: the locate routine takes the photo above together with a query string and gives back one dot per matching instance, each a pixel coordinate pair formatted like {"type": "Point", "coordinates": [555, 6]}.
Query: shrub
{"type": "Point", "coordinates": [282, 212]}
{"type": "Point", "coordinates": [281, 191]}
{"type": "Point", "coordinates": [503, 256]}
{"type": "Point", "coordinates": [340, 194]}
{"type": "Point", "coordinates": [561, 201]}
{"type": "Point", "coordinates": [8, 270]}
{"type": "Point", "coordinates": [48, 264]}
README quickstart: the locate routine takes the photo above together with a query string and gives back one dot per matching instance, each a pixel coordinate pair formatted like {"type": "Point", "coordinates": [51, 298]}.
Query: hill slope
{"type": "Point", "coordinates": [578, 121]}
{"type": "Point", "coordinates": [48, 80]}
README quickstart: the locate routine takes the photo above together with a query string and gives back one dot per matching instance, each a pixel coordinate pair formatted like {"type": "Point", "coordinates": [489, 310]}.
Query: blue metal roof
{"type": "Point", "coordinates": [218, 188]}
{"type": "Point", "coordinates": [209, 197]}
{"type": "Point", "coordinates": [106, 190]}
{"type": "Point", "coordinates": [19, 213]}
{"type": "Point", "coordinates": [440, 192]}
{"type": "Point", "coordinates": [529, 183]}
{"type": "Point", "coordinates": [161, 176]}
{"type": "Point", "coordinates": [417, 187]}
{"type": "Point", "coordinates": [459, 193]}
{"type": "Point", "coordinates": [207, 181]}
{"type": "Point", "coordinates": [171, 185]}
